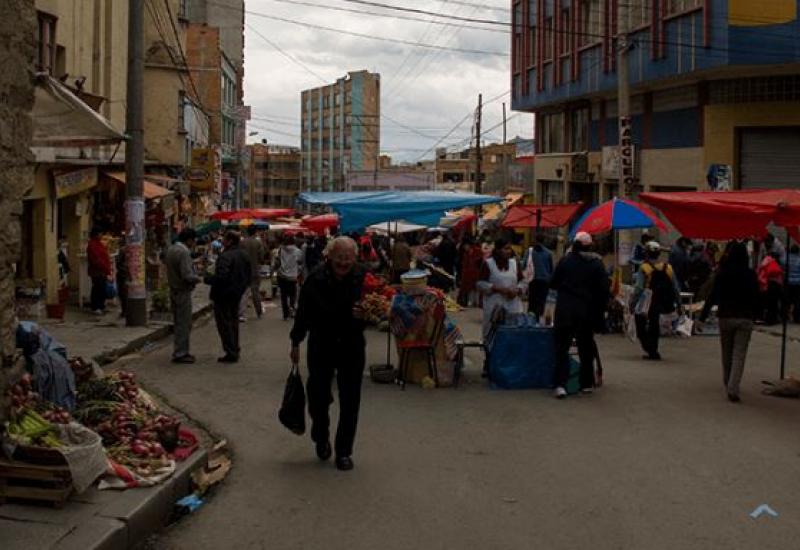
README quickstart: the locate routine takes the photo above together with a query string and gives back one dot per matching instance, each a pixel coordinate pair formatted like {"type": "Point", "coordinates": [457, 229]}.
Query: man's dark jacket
{"type": "Point", "coordinates": [583, 289]}
{"type": "Point", "coordinates": [325, 313]}
{"type": "Point", "coordinates": [232, 275]}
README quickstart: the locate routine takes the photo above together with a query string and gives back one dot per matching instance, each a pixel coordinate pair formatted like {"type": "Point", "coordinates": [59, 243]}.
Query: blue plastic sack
{"type": "Point", "coordinates": [111, 290]}
{"type": "Point", "coordinates": [522, 358]}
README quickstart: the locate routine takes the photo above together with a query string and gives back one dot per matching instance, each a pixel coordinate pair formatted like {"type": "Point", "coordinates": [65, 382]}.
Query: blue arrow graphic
{"type": "Point", "coordinates": [764, 508]}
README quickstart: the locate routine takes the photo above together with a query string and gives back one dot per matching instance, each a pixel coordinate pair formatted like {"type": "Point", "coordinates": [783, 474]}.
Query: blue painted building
{"type": "Point", "coordinates": [341, 130]}
{"type": "Point", "coordinates": [715, 89]}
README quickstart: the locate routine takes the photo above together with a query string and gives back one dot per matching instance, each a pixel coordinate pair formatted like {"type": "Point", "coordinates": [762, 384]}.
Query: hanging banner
{"type": "Point", "coordinates": [205, 172]}
{"type": "Point", "coordinates": [626, 169]}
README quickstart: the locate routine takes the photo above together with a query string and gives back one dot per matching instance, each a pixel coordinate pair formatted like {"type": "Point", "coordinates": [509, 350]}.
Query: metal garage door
{"type": "Point", "coordinates": [769, 158]}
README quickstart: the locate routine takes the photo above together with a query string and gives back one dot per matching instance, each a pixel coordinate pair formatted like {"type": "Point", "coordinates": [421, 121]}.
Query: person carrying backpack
{"type": "Point", "coordinates": [659, 279]}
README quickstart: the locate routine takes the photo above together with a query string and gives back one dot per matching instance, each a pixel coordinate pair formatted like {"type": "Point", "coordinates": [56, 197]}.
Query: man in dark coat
{"type": "Point", "coordinates": [232, 276]}
{"type": "Point", "coordinates": [328, 312]}
{"type": "Point", "coordinates": [446, 253]}
{"type": "Point", "coordinates": [583, 294]}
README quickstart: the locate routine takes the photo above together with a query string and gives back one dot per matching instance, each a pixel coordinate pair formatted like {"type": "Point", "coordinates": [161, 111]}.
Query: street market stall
{"type": "Point", "coordinates": [540, 216]}
{"type": "Point", "coordinates": [70, 424]}
{"type": "Point", "coordinates": [733, 215]}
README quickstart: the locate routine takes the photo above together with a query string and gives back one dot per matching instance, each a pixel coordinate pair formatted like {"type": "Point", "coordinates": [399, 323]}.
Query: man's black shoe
{"type": "Point", "coordinates": [184, 359]}
{"type": "Point", "coordinates": [344, 463]}
{"type": "Point", "coordinates": [324, 451]}
{"type": "Point", "coordinates": [228, 359]}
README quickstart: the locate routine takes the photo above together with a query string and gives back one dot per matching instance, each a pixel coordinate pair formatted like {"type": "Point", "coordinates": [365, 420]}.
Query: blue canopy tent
{"type": "Point", "coordinates": [358, 210]}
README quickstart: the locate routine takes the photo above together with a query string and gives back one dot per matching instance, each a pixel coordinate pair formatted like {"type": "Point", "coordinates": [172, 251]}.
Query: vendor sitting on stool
{"type": "Point", "coordinates": [501, 284]}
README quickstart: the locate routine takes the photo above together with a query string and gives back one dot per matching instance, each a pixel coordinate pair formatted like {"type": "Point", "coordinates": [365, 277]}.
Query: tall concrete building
{"type": "Point", "coordinates": [714, 93]}
{"type": "Point", "coordinates": [274, 175]}
{"type": "Point", "coordinates": [341, 130]}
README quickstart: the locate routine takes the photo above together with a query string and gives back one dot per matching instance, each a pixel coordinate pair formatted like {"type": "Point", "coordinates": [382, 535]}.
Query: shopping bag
{"type": "Point", "coordinates": [642, 306]}
{"type": "Point", "coordinates": [630, 327]}
{"type": "Point", "coordinates": [292, 413]}
{"type": "Point", "coordinates": [111, 290]}
{"type": "Point", "coordinates": [683, 327]}
{"type": "Point", "coordinates": [667, 322]}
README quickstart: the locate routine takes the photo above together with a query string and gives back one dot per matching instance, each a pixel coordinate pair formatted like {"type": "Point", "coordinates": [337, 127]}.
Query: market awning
{"type": "Point", "coordinates": [256, 213]}
{"type": "Point", "coordinates": [728, 214]}
{"type": "Point", "coordinates": [495, 211]}
{"type": "Point", "coordinates": [318, 224]}
{"type": "Point", "coordinates": [540, 215]}
{"type": "Point", "coordinates": [395, 228]}
{"type": "Point", "coordinates": [358, 210]}
{"type": "Point", "coordinates": [61, 119]}
{"type": "Point", "coordinates": [150, 189]}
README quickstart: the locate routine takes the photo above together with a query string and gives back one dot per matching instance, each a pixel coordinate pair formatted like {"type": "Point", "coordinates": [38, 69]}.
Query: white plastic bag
{"type": "Point", "coordinates": [630, 327]}
{"type": "Point", "coordinates": [683, 327]}
{"type": "Point", "coordinates": [642, 306]}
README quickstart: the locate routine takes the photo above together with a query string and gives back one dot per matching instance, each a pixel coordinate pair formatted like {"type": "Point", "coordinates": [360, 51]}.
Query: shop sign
{"type": "Point", "coordinates": [74, 181]}
{"type": "Point", "coordinates": [205, 172]}
{"type": "Point", "coordinates": [626, 173]}
{"type": "Point", "coordinates": [719, 177]}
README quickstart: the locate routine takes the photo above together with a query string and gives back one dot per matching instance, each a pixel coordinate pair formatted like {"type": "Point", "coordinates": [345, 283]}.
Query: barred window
{"type": "Point", "coordinates": [746, 90]}
{"type": "Point", "coordinates": [678, 6]}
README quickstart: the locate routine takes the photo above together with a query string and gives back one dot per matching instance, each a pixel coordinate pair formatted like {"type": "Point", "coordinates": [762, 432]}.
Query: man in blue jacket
{"type": "Point", "coordinates": [541, 259]}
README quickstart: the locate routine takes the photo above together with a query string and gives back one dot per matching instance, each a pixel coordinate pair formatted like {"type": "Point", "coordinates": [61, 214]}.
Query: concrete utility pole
{"type": "Point", "coordinates": [505, 156]}
{"type": "Point", "coordinates": [136, 308]}
{"type": "Point", "coordinates": [626, 174]}
{"type": "Point", "coordinates": [478, 145]}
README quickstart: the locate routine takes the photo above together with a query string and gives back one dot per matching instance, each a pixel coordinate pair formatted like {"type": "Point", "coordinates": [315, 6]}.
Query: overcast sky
{"type": "Point", "coordinates": [428, 90]}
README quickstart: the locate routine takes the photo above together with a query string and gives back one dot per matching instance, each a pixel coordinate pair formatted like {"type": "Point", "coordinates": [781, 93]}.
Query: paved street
{"type": "Point", "coordinates": [656, 459]}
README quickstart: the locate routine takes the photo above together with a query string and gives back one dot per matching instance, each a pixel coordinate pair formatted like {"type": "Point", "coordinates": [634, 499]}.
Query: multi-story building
{"type": "Point", "coordinates": [392, 178]}
{"type": "Point", "coordinates": [216, 78]}
{"type": "Point", "coordinates": [82, 50]}
{"type": "Point", "coordinates": [274, 175]}
{"type": "Point", "coordinates": [714, 90]}
{"type": "Point", "coordinates": [500, 170]}
{"type": "Point", "coordinates": [341, 130]}
{"type": "Point", "coordinates": [173, 114]}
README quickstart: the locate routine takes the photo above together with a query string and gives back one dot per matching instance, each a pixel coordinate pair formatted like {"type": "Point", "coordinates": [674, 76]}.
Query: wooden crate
{"type": "Point", "coordinates": [34, 482]}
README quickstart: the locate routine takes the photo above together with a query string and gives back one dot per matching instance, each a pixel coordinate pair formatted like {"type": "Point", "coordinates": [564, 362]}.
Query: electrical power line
{"type": "Point", "coordinates": [180, 50]}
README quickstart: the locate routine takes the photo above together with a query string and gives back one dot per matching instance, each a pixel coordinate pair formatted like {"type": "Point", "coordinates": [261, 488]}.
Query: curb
{"type": "Point", "coordinates": [135, 345]}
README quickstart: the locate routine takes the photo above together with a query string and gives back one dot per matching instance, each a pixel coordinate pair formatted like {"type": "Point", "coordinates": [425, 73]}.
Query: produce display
{"type": "Point", "coordinates": [30, 428]}
{"type": "Point", "coordinates": [375, 307]}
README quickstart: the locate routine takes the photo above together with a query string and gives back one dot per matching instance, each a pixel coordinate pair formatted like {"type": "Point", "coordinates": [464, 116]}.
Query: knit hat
{"type": "Point", "coordinates": [583, 238]}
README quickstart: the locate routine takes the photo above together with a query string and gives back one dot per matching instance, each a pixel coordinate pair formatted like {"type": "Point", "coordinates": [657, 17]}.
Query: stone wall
{"type": "Point", "coordinates": [17, 54]}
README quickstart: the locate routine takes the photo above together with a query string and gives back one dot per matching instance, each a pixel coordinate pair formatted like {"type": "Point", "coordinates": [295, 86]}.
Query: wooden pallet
{"type": "Point", "coordinates": [34, 482]}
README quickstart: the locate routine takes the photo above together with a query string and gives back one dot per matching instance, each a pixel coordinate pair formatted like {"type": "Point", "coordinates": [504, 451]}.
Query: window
{"type": "Point", "coordinates": [678, 6]}
{"type": "Point", "coordinates": [531, 44]}
{"type": "Point", "coordinates": [636, 13]}
{"type": "Point", "coordinates": [552, 192]}
{"type": "Point", "coordinates": [183, 9]}
{"type": "Point", "coordinates": [548, 39]}
{"type": "Point", "coordinates": [552, 132]}
{"type": "Point", "coordinates": [564, 34]}
{"type": "Point", "coordinates": [579, 129]}
{"type": "Point", "coordinates": [46, 59]}
{"type": "Point", "coordinates": [337, 99]}
{"type": "Point", "coordinates": [517, 45]}
{"type": "Point", "coordinates": [590, 28]}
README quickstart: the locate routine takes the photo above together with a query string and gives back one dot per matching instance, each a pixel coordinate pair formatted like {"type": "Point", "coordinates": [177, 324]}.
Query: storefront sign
{"type": "Point", "coordinates": [626, 168]}
{"type": "Point", "coordinates": [205, 172]}
{"type": "Point", "coordinates": [74, 181]}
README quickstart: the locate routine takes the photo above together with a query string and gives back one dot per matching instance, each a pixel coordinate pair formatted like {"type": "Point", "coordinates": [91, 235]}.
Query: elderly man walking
{"type": "Point", "coordinates": [329, 314]}
{"type": "Point", "coordinates": [182, 279]}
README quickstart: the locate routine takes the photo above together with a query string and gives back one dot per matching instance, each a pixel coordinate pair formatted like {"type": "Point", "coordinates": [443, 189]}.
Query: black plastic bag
{"type": "Point", "coordinates": [292, 413]}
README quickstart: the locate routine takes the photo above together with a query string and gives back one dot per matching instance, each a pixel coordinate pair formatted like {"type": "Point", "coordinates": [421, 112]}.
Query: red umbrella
{"type": "Point", "coordinates": [318, 224]}
{"type": "Point", "coordinates": [540, 215]}
{"type": "Point", "coordinates": [617, 214]}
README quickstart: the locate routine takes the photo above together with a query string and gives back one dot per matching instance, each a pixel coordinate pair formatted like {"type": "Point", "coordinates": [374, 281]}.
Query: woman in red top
{"type": "Point", "coordinates": [770, 282]}
{"type": "Point", "coordinates": [99, 270]}
{"type": "Point", "coordinates": [469, 271]}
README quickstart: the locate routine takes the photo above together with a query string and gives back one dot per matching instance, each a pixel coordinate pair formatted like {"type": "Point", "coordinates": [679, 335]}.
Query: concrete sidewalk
{"type": "Point", "coordinates": [106, 338]}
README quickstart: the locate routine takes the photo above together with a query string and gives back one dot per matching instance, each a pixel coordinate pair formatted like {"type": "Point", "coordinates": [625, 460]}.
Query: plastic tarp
{"type": "Point", "coordinates": [358, 210]}
{"type": "Point", "coordinates": [318, 224]}
{"type": "Point", "coordinates": [728, 214]}
{"type": "Point", "coordinates": [62, 119]}
{"type": "Point", "coordinates": [617, 214]}
{"type": "Point", "coordinates": [540, 215]}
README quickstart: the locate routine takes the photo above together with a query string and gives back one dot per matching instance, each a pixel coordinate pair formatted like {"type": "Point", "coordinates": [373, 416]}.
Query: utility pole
{"type": "Point", "coordinates": [505, 155]}
{"type": "Point", "coordinates": [136, 307]}
{"type": "Point", "coordinates": [626, 174]}
{"type": "Point", "coordinates": [478, 146]}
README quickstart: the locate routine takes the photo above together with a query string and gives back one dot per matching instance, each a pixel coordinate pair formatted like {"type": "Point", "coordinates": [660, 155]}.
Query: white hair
{"type": "Point", "coordinates": [341, 242]}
